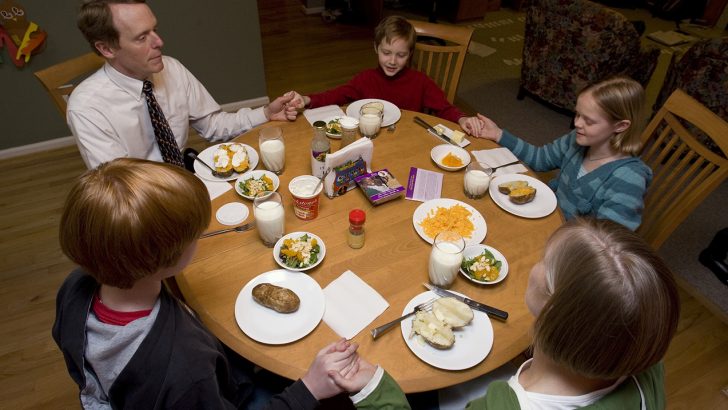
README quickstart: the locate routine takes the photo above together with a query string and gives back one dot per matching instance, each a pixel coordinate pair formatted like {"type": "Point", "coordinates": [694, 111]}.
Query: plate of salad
{"type": "Point", "coordinates": [484, 264]}
{"type": "Point", "coordinates": [299, 251]}
{"type": "Point", "coordinates": [254, 182]}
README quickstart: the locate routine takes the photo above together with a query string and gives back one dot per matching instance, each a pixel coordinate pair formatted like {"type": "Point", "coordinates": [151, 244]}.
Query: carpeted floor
{"type": "Point", "coordinates": [489, 84]}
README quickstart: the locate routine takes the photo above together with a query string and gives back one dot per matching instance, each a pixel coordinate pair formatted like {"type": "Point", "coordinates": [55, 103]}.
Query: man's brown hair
{"type": "Point", "coordinates": [96, 22]}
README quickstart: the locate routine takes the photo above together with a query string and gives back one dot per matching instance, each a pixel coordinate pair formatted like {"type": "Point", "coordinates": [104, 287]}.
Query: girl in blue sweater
{"type": "Point", "coordinates": [600, 174]}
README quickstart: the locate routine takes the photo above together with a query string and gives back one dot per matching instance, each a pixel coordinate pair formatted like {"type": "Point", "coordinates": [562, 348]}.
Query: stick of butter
{"type": "Point", "coordinates": [457, 136]}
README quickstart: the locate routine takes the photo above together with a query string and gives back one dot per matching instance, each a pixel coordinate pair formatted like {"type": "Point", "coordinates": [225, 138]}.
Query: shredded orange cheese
{"type": "Point", "coordinates": [451, 160]}
{"type": "Point", "coordinates": [456, 218]}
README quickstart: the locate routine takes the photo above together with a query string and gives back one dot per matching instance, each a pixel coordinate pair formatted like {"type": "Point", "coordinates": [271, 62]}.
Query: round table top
{"type": "Point", "coordinates": [393, 261]}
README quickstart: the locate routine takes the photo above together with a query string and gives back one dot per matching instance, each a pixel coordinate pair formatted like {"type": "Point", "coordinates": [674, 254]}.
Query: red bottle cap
{"type": "Point", "coordinates": [357, 217]}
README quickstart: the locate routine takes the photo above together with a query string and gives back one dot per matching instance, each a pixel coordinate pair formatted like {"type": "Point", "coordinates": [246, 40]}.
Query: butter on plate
{"type": "Point", "coordinates": [458, 137]}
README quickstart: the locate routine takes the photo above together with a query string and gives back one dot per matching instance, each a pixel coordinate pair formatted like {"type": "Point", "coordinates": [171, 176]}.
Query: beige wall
{"type": "Point", "coordinates": [218, 41]}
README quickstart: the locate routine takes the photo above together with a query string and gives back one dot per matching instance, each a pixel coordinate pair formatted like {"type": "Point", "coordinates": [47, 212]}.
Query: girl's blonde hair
{"type": "Point", "coordinates": [129, 218]}
{"type": "Point", "coordinates": [614, 305]}
{"type": "Point", "coordinates": [622, 98]}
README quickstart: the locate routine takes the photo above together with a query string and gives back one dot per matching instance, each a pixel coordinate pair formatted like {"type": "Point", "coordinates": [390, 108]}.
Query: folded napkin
{"type": "Point", "coordinates": [323, 113]}
{"type": "Point", "coordinates": [215, 189]}
{"type": "Point", "coordinates": [499, 156]}
{"type": "Point", "coordinates": [351, 305]}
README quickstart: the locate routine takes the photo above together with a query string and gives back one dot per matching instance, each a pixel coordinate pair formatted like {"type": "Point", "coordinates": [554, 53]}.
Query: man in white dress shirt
{"type": "Point", "coordinates": [107, 112]}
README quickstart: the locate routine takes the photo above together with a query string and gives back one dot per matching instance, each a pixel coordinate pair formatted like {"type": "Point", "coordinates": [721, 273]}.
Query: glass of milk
{"type": "Point", "coordinates": [272, 149]}
{"type": "Point", "coordinates": [445, 258]}
{"type": "Point", "coordinates": [477, 179]}
{"type": "Point", "coordinates": [370, 120]}
{"type": "Point", "coordinates": [269, 217]}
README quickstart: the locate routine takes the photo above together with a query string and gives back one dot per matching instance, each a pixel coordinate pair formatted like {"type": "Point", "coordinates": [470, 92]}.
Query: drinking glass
{"type": "Point", "coordinates": [272, 149]}
{"type": "Point", "coordinates": [445, 258]}
{"type": "Point", "coordinates": [476, 180]}
{"type": "Point", "coordinates": [269, 217]}
{"type": "Point", "coordinates": [370, 120]}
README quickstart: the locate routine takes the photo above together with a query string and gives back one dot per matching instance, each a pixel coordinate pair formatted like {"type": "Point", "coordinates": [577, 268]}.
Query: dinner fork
{"type": "Point", "coordinates": [214, 172]}
{"type": "Point", "coordinates": [383, 328]}
{"type": "Point", "coordinates": [241, 228]}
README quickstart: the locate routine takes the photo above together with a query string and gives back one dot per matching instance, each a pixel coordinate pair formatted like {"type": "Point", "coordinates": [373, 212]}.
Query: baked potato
{"type": "Point", "coordinates": [507, 187]}
{"type": "Point", "coordinates": [452, 312]}
{"type": "Point", "coordinates": [278, 298]}
{"type": "Point", "coordinates": [523, 195]}
{"type": "Point", "coordinates": [436, 333]}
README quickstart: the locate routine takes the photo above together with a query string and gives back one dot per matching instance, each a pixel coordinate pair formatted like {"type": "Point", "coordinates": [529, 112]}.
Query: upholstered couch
{"type": "Point", "coordinates": [570, 44]}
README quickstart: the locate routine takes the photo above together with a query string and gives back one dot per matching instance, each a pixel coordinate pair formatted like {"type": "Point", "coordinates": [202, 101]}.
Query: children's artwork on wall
{"type": "Point", "coordinates": [18, 35]}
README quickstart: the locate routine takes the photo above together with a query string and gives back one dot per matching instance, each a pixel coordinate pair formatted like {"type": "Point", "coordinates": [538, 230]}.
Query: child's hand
{"type": "Point", "coordinates": [298, 101]}
{"type": "Point", "coordinates": [355, 377]}
{"type": "Point", "coordinates": [471, 125]}
{"type": "Point", "coordinates": [281, 109]}
{"type": "Point", "coordinates": [489, 129]}
{"type": "Point", "coordinates": [336, 357]}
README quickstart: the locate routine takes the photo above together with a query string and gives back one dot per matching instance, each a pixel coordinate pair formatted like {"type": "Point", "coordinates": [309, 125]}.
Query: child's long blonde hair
{"type": "Point", "coordinates": [613, 305]}
{"type": "Point", "coordinates": [622, 98]}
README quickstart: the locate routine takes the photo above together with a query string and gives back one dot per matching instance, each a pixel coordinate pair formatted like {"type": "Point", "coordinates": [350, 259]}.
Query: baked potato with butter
{"type": "Point", "coordinates": [507, 187]}
{"type": "Point", "coordinates": [523, 195]}
{"type": "Point", "coordinates": [452, 312]}
{"type": "Point", "coordinates": [436, 333]}
{"type": "Point", "coordinates": [278, 298]}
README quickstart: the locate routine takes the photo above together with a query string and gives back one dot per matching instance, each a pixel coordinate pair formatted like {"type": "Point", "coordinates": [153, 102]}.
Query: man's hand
{"type": "Point", "coordinates": [299, 101]}
{"type": "Point", "coordinates": [336, 357]}
{"type": "Point", "coordinates": [281, 108]}
{"type": "Point", "coordinates": [471, 125]}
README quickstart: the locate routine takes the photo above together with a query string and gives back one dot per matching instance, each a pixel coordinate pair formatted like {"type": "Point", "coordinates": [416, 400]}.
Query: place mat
{"type": "Point", "coordinates": [215, 189]}
{"type": "Point", "coordinates": [351, 305]}
{"type": "Point", "coordinates": [498, 156]}
{"type": "Point", "coordinates": [323, 113]}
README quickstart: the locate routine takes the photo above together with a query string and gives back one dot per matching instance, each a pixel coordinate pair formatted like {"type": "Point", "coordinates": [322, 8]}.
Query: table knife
{"type": "Point", "coordinates": [491, 311]}
{"type": "Point", "coordinates": [438, 134]}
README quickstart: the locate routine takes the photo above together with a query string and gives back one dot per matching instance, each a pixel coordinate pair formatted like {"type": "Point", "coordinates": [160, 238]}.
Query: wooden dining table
{"type": "Point", "coordinates": [393, 261]}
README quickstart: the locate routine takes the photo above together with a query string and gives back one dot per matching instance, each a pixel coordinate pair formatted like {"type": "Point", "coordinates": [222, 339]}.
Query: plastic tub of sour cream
{"type": "Point", "coordinates": [305, 199]}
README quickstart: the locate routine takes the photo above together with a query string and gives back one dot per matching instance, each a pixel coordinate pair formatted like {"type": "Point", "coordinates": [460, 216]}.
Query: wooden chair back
{"type": "Point", "coordinates": [59, 79]}
{"type": "Point", "coordinates": [684, 170]}
{"type": "Point", "coordinates": [440, 53]}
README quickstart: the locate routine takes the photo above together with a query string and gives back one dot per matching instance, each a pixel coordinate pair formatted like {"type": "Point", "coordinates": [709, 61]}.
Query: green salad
{"type": "Point", "coordinates": [484, 267]}
{"type": "Point", "coordinates": [301, 252]}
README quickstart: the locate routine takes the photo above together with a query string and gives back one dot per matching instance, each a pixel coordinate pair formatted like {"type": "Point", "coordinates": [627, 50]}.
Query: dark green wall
{"type": "Point", "coordinates": [218, 41]}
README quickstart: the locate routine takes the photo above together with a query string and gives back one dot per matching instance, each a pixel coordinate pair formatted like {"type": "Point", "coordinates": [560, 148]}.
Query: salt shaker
{"type": "Point", "coordinates": [355, 236]}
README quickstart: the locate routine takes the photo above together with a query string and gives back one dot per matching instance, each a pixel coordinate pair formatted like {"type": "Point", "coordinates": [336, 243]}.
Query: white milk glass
{"type": "Point", "coordinates": [477, 180]}
{"type": "Point", "coordinates": [370, 120]}
{"type": "Point", "coordinates": [445, 258]}
{"type": "Point", "coordinates": [269, 217]}
{"type": "Point", "coordinates": [272, 149]}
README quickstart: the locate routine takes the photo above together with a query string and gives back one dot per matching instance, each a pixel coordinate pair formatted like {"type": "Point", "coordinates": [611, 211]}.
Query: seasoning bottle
{"type": "Point", "coordinates": [355, 237]}
{"type": "Point", "coordinates": [320, 147]}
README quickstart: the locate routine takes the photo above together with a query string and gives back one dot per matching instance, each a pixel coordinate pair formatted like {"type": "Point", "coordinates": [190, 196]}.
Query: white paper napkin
{"type": "Point", "coordinates": [498, 156]}
{"type": "Point", "coordinates": [323, 113]}
{"type": "Point", "coordinates": [215, 189]}
{"type": "Point", "coordinates": [351, 305]}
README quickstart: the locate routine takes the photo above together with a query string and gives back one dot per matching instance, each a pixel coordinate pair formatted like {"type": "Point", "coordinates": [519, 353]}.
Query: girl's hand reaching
{"type": "Point", "coordinates": [471, 125]}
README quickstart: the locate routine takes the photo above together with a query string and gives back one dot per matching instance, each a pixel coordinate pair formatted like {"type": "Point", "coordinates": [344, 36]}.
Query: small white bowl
{"type": "Point", "coordinates": [296, 235]}
{"type": "Point", "coordinates": [475, 250]}
{"type": "Point", "coordinates": [255, 174]}
{"type": "Point", "coordinates": [440, 151]}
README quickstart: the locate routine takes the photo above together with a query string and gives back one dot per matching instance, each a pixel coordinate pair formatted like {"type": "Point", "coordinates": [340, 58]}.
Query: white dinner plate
{"type": "Point", "coordinates": [207, 154]}
{"type": "Point", "coordinates": [329, 119]}
{"type": "Point", "coordinates": [472, 342]}
{"type": "Point", "coordinates": [475, 250]}
{"type": "Point", "coordinates": [476, 218]}
{"type": "Point", "coordinates": [265, 325]}
{"type": "Point", "coordinates": [256, 174]}
{"type": "Point", "coordinates": [439, 152]}
{"type": "Point", "coordinates": [391, 112]}
{"type": "Point", "coordinates": [295, 235]}
{"type": "Point", "coordinates": [542, 205]}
